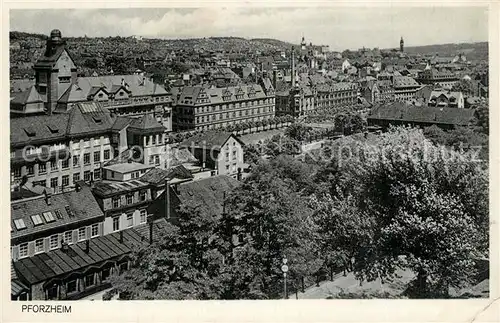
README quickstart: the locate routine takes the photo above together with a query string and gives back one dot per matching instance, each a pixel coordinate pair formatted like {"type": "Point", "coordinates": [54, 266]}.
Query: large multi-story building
{"type": "Point", "coordinates": [405, 88]}
{"type": "Point", "coordinates": [202, 108]}
{"type": "Point", "coordinates": [57, 89]}
{"type": "Point", "coordinates": [59, 150]}
{"type": "Point", "coordinates": [338, 94]}
{"type": "Point", "coordinates": [432, 76]}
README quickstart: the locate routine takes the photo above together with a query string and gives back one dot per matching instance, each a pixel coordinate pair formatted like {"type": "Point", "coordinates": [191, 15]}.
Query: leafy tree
{"type": "Point", "coordinates": [482, 118]}
{"type": "Point", "coordinates": [183, 263]}
{"type": "Point", "coordinates": [297, 131]}
{"type": "Point", "coordinates": [428, 207]}
{"type": "Point", "coordinates": [464, 86]}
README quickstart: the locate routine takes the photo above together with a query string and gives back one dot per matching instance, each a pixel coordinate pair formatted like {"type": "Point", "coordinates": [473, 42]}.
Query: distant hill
{"type": "Point", "coordinates": [19, 35]}
{"type": "Point", "coordinates": [273, 42]}
{"type": "Point", "coordinates": [473, 51]}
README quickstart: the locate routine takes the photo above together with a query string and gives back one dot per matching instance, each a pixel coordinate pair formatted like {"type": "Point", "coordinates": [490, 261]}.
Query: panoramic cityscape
{"type": "Point", "coordinates": [267, 153]}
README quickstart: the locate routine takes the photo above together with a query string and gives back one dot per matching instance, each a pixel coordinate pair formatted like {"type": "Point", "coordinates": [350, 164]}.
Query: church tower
{"type": "Point", "coordinates": [303, 44]}
{"type": "Point", "coordinates": [401, 45]}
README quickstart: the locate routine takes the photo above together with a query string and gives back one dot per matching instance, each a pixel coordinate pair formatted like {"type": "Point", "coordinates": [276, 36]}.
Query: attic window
{"type": "Point", "coordinates": [48, 217]}
{"type": "Point", "coordinates": [53, 128]}
{"type": "Point", "coordinates": [190, 193]}
{"type": "Point", "coordinates": [19, 223]}
{"type": "Point", "coordinates": [37, 220]}
{"type": "Point", "coordinates": [69, 211]}
{"type": "Point", "coordinates": [30, 132]}
{"type": "Point", "coordinates": [58, 214]}
{"type": "Point", "coordinates": [100, 95]}
{"type": "Point", "coordinates": [97, 120]}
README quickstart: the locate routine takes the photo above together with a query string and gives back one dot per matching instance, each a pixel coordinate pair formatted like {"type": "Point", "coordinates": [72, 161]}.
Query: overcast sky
{"type": "Point", "coordinates": [340, 28]}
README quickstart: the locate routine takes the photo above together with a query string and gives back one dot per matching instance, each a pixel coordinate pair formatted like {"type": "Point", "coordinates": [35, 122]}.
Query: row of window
{"type": "Point", "coordinates": [215, 108]}
{"type": "Point", "coordinates": [129, 199]}
{"type": "Point", "coordinates": [230, 115]}
{"type": "Point", "coordinates": [129, 220]}
{"type": "Point", "coordinates": [53, 242]}
{"type": "Point", "coordinates": [54, 165]}
{"type": "Point", "coordinates": [54, 182]}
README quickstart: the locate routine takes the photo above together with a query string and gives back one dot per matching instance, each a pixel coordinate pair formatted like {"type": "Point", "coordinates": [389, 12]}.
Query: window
{"type": "Point", "coordinates": [48, 217]}
{"type": "Point", "coordinates": [144, 216]}
{"type": "Point", "coordinates": [97, 174]}
{"type": "Point", "coordinates": [157, 160]}
{"type": "Point", "coordinates": [37, 220]}
{"type": "Point", "coordinates": [116, 223]}
{"type": "Point", "coordinates": [94, 232]}
{"type": "Point", "coordinates": [19, 223]}
{"type": "Point", "coordinates": [52, 292]}
{"type": "Point", "coordinates": [142, 195]}
{"type": "Point", "coordinates": [71, 287]}
{"type": "Point", "coordinates": [68, 237]}
{"type": "Point", "coordinates": [54, 241]}
{"type": "Point", "coordinates": [89, 280]}
{"type": "Point", "coordinates": [154, 140]}
{"type": "Point", "coordinates": [23, 250]}
{"type": "Point", "coordinates": [54, 182]}
{"type": "Point", "coordinates": [106, 154]}
{"type": "Point", "coordinates": [17, 172]}
{"type": "Point", "coordinates": [42, 168]}
{"type": "Point", "coordinates": [123, 267]}
{"type": "Point", "coordinates": [75, 161]}
{"type": "Point", "coordinates": [116, 202]}
{"type": "Point", "coordinates": [65, 163]}
{"type": "Point", "coordinates": [129, 199]}
{"type": "Point", "coordinates": [86, 158]}
{"type": "Point", "coordinates": [105, 274]}
{"type": "Point", "coordinates": [39, 246]}
{"type": "Point", "coordinates": [65, 180]}
{"type": "Point", "coordinates": [86, 175]}
{"type": "Point", "coordinates": [97, 156]}
{"type": "Point", "coordinates": [58, 214]}
{"type": "Point", "coordinates": [30, 170]}
{"type": "Point", "coordinates": [130, 220]}
{"type": "Point", "coordinates": [76, 177]}
{"type": "Point", "coordinates": [82, 233]}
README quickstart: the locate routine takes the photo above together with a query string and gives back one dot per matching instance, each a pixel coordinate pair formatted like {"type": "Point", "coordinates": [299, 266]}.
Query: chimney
{"type": "Point", "coordinates": [238, 177]}
{"type": "Point", "coordinates": [293, 67]}
{"type": "Point", "coordinates": [87, 246]}
{"type": "Point", "coordinates": [143, 81]}
{"type": "Point", "coordinates": [121, 236]}
{"type": "Point", "coordinates": [47, 196]}
{"type": "Point", "coordinates": [78, 187]}
{"type": "Point", "coordinates": [151, 232]}
{"type": "Point", "coordinates": [167, 197]}
{"type": "Point", "coordinates": [123, 81]}
{"type": "Point", "coordinates": [64, 245]}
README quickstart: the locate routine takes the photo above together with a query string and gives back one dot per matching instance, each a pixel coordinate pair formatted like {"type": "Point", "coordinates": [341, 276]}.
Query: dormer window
{"type": "Point", "coordinates": [30, 132]}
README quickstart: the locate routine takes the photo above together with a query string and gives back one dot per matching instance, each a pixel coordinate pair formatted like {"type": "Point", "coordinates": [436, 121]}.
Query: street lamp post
{"type": "Point", "coordinates": [284, 269]}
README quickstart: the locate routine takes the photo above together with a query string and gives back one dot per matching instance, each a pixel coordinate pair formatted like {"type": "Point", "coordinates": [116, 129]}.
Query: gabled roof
{"type": "Point", "coordinates": [158, 176]}
{"type": "Point", "coordinates": [59, 263]}
{"type": "Point", "coordinates": [31, 129]}
{"type": "Point", "coordinates": [81, 206]}
{"type": "Point", "coordinates": [207, 193]}
{"type": "Point", "coordinates": [89, 118]}
{"type": "Point", "coordinates": [106, 189]}
{"type": "Point", "coordinates": [404, 81]}
{"type": "Point", "coordinates": [401, 112]}
{"type": "Point", "coordinates": [28, 96]}
{"type": "Point", "coordinates": [209, 140]}
{"type": "Point", "coordinates": [147, 123]}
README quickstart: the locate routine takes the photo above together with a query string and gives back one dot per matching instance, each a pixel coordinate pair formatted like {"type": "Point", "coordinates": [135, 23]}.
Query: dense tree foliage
{"type": "Point", "coordinates": [371, 204]}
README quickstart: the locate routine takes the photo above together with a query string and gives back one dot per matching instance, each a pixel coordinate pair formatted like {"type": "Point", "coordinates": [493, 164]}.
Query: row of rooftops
{"type": "Point", "coordinates": [85, 119]}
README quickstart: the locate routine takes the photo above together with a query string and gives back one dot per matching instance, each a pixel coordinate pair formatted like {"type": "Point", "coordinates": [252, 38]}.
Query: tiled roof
{"type": "Point", "coordinates": [177, 157]}
{"type": "Point", "coordinates": [28, 96]}
{"type": "Point", "coordinates": [208, 140]}
{"type": "Point", "coordinates": [104, 189]}
{"type": "Point", "coordinates": [207, 194]}
{"type": "Point", "coordinates": [81, 206]}
{"type": "Point", "coordinates": [399, 111]}
{"type": "Point", "coordinates": [59, 263]}
{"type": "Point", "coordinates": [158, 175]}
{"type": "Point", "coordinates": [85, 86]}
{"type": "Point", "coordinates": [31, 129]}
{"type": "Point", "coordinates": [121, 122]}
{"type": "Point", "coordinates": [404, 81]}
{"type": "Point", "coordinates": [89, 118]}
{"type": "Point", "coordinates": [191, 94]}
{"type": "Point", "coordinates": [147, 123]}
{"type": "Point", "coordinates": [20, 85]}
{"type": "Point", "coordinates": [447, 94]}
